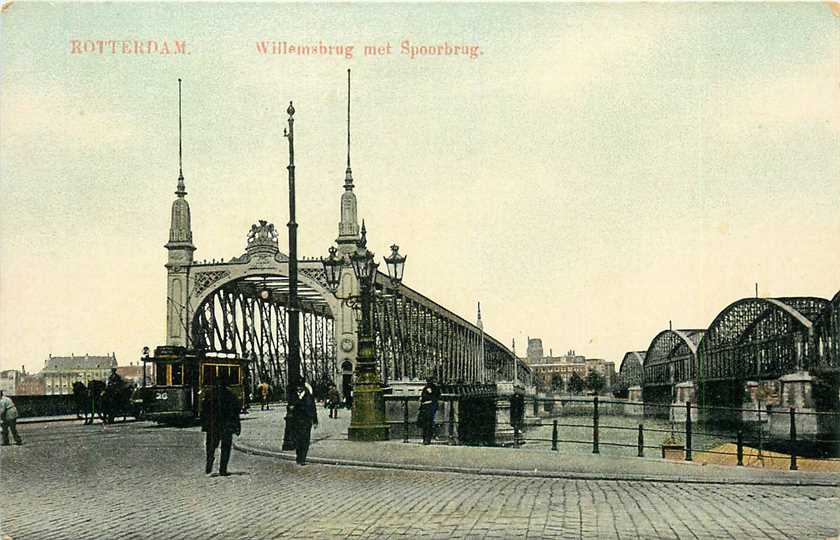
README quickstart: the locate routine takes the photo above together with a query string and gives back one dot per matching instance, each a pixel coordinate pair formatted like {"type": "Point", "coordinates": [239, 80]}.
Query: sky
{"type": "Point", "coordinates": [597, 171]}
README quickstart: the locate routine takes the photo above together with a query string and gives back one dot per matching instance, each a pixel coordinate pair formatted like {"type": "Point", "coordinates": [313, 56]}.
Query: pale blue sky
{"type": "Point", "coordinates": [599, 170]}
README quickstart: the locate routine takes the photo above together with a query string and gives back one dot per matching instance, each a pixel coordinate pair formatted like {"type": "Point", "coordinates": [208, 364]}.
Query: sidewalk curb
{"type": "Point", "coordinates": [531, 474]}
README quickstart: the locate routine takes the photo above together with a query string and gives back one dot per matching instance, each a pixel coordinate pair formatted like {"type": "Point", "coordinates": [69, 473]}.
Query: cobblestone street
{"type": "Point", "coordinates": [141, 481]}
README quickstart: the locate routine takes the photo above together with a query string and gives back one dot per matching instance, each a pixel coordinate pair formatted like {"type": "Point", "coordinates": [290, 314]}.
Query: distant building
{"type": "Point", "coordinates": [9, 380]}
{"type": "Point", "coordinates": [134, 374]}
{"type": "Point", "coordinates": [31, 385]}
{"type": "Point", "coordinates": [60, 372]}
{"type": "Point", "coordinates": [545, 368]}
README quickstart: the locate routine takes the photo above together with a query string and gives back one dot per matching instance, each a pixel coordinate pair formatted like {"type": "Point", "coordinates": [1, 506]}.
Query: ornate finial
{"type": "Point", "coordinates": [291, 109]}
{"type": "Point", "coordinates": [182, 189]}
{"type": "Point", "coordinates": [348, 174]}
{"type": "Point", "coordinates": [479, 311]}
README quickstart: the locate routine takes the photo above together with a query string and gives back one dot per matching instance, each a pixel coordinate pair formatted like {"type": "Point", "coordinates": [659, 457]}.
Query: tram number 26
{"type": "Point", "coordinates": [161, 395]}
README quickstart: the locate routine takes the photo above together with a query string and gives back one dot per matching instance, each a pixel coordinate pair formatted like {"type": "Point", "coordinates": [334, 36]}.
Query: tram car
{"type": "Point", "coordinates": [181, 377]}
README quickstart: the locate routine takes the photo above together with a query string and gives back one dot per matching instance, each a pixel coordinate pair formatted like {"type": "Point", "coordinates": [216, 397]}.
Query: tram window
{"type": "Point", "coordinates": [233, 374]}
{"type": "Point", "coordinates": [177, 374]}
{"type": "Point", "coordinates": [209, 375]}
{"type": "Point", "coordinates": [160, 375]}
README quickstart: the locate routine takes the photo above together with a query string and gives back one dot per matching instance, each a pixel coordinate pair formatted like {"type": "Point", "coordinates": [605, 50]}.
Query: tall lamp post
{"type": "Point", "coordinates": [293, 338]}
{"type": "Point", "coordinates": [368, 422]}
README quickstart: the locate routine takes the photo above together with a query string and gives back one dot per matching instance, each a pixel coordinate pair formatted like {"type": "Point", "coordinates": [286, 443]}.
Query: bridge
{"type": "Point", "coordinates": [755, 352]}
{"type": "Point", "coordinates": [241, 305]}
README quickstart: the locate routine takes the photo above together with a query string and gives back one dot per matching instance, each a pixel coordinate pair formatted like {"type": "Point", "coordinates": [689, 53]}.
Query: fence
{"type": "Point", "coordinates": [55, 405]}
{"type": "Point", "coordinates": [775, 430]}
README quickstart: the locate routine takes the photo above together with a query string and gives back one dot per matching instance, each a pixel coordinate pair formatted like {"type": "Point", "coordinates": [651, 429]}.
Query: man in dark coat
{"type": "Point", "coordinates": [429, 396]}
{"type": "Point", "coordinates": [220, 420]}
{"type": "Point", "coordinates": [303, 415]}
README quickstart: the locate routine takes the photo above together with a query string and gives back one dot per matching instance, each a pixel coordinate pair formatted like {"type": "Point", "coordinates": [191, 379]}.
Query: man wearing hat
{"type": "Point", "coordinates": [220, 420]}
{"type": "Point", "coordinates": [303, 415]}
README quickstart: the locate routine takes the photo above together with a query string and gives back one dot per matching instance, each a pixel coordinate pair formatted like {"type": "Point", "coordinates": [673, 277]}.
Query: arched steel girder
{"type": "Point", "coordinates": [248, 316]}
{"type": "Point", "coordinates": [825, 355]}
{"type": "Point", "coordinates": [670, 357]}
{"type": "Point", "coordinates": [758, 339]}
{"type": "Point", "coordinates": [630, 370]}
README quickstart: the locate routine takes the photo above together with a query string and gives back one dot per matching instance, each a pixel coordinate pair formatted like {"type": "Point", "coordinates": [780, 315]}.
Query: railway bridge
{"type": "Point", "coordinates": [241, 305]}
{"type": "Point", "coordinates": [757, 354]}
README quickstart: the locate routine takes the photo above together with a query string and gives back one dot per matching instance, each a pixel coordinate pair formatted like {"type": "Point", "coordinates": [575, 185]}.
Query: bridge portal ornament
{"type": "Point", "coordinates": [318, 275]}
{"type": "Point", "coordinates": [262, 238]}
{"type": "Point", "coordinates": [347, 344]}
{"type": "Point", "coordinates": [205, 279]}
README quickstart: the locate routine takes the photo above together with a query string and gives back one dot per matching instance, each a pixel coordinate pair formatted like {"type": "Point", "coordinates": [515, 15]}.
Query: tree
{"type": "Point", "coordinates": [620, 388]}
{"type": "Point", "coordinates": [595, 382]}
{"type": "Point", "coordinates": [575, 385]}
{"type": "Point", "coordinates": [556, 383]}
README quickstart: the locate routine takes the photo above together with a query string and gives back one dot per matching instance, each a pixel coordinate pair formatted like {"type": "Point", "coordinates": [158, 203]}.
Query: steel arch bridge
{"type": "Point", "coordinates": [669, 360]}
{"type": "Point", "coordinates": [241, 306]}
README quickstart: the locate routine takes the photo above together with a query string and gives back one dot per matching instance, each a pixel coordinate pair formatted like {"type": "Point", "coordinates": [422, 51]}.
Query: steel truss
{"type": "Point", "coordinates": [233, 320]}
{"type": "Point", "coordinates": [416, 339]}
{"type": "Point", "coordinates": [826, 353]}
{"type": "Point", "coordinates": [670, 357]}
{"type": "Point", "coordinates": [760, 339]}
{"type": "Point", "coordinates": [630, 372]}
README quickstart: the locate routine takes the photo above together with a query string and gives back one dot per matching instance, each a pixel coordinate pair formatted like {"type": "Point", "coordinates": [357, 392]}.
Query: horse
{"type": "Point", "coordinates": [116, 401]}
{"type": "Point", "coordinates": [95, 390]}
{"type": "Point", "coordinates": [80, 399]}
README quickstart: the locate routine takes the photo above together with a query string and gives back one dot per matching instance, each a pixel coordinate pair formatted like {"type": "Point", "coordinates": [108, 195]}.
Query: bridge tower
{"type": "Point", "coordinates": [181, 248]}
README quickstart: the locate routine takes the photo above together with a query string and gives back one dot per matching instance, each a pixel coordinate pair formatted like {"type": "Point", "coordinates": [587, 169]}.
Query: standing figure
{"type": "Point", "coordinates": [220, 420]}
{"type": "Point", "coordinates": [333, 400]}
{"type": "Point", "coordinates": [263, 390]}
{"type": "Point", "coordinates": [114, 378]}
{"type": "Point", "coordinates": [303, 415]}
{"type": "Point", "coordinates": [9, 416]}
{"type": "Point", "coordinates": [429, 397]}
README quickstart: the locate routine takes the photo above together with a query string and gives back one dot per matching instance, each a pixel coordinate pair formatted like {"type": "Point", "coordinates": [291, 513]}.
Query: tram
{"type": "Point", "coordinates": [181, 377]}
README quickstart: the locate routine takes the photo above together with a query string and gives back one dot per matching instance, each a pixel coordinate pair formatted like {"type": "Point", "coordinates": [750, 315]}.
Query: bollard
{"type": "Point", "coordinates": [515, 436]}
{"type": "Point", "coordinates": [536, 406]}
{"type": "Point", "coordinates": [405, 421]}
{"type": "Point", "coordinates": [793, 466]}
{"type": "Point", "coordinates": [554, 437]}
{"type": "Point", "coordinates": [688, 431]}
{"type": "Point", "coordinates": [595, 449]}
{"type": "Point", "coordinates": [641, 441]}
{"type": "Point", "coordinates": [740, 451]}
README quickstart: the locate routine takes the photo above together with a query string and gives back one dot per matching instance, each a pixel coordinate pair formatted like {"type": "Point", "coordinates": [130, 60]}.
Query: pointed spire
{"type": "Point", "coordinates": [348, 174]}
{"type": "Point", "coordinates": [363, 240]}
{"type": "Point", "coordinates": [182, 190]}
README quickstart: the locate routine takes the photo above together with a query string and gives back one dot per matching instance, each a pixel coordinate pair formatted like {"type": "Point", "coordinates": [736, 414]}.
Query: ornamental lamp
{"type": "Point", "coordinates": [363, 265]}
{"type": "Point", "coordinates": [332, 269]}
{"type": "Point", "coordinates": [395, 264]}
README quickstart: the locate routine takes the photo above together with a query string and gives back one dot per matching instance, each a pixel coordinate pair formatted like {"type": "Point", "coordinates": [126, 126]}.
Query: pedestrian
{"type": "Point", "coordinates": [8, 417]}
{"type": "Point", "coordinates": [304, 415]}
{"type": "Point", "coordinates": [263, 390]}
{"type": "Point", "coordinates": [348, 395]}
{"type": "Point", "coordinates": [429, 396]}
{"type": "Point", "coordinates": [220, 420]}
{"type": "Point", "coordinates": [333, 400]}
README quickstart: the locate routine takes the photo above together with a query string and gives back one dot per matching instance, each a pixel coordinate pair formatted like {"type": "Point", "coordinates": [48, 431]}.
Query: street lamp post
{"type": "Point", "coordinates": [293, 338]}
{"type": "Point", "coordinates": [368, 421]}
{"type": "Point", "coordinates": [145, 359]}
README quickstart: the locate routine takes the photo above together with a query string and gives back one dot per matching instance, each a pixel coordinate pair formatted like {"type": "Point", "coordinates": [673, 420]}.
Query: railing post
{"type": "Point", "coordinates": [688, 431]}
{"type": "Point", "coordinates": [641, 441]}
{"type": "Point", "coordinates": [536, 406]}
{"type": "Point", "coordinates": [515, 436]}
{"type": "Point", "coordinates": [740, 451]}
{"type": "Point", "coordinates": [793, 466]}
{"type": "Point", "coordinates": [595, 449]}
{"type": "Point", "coordinates": [554, 437]}
{"type": "Point", "coordinates": [405, 420]}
